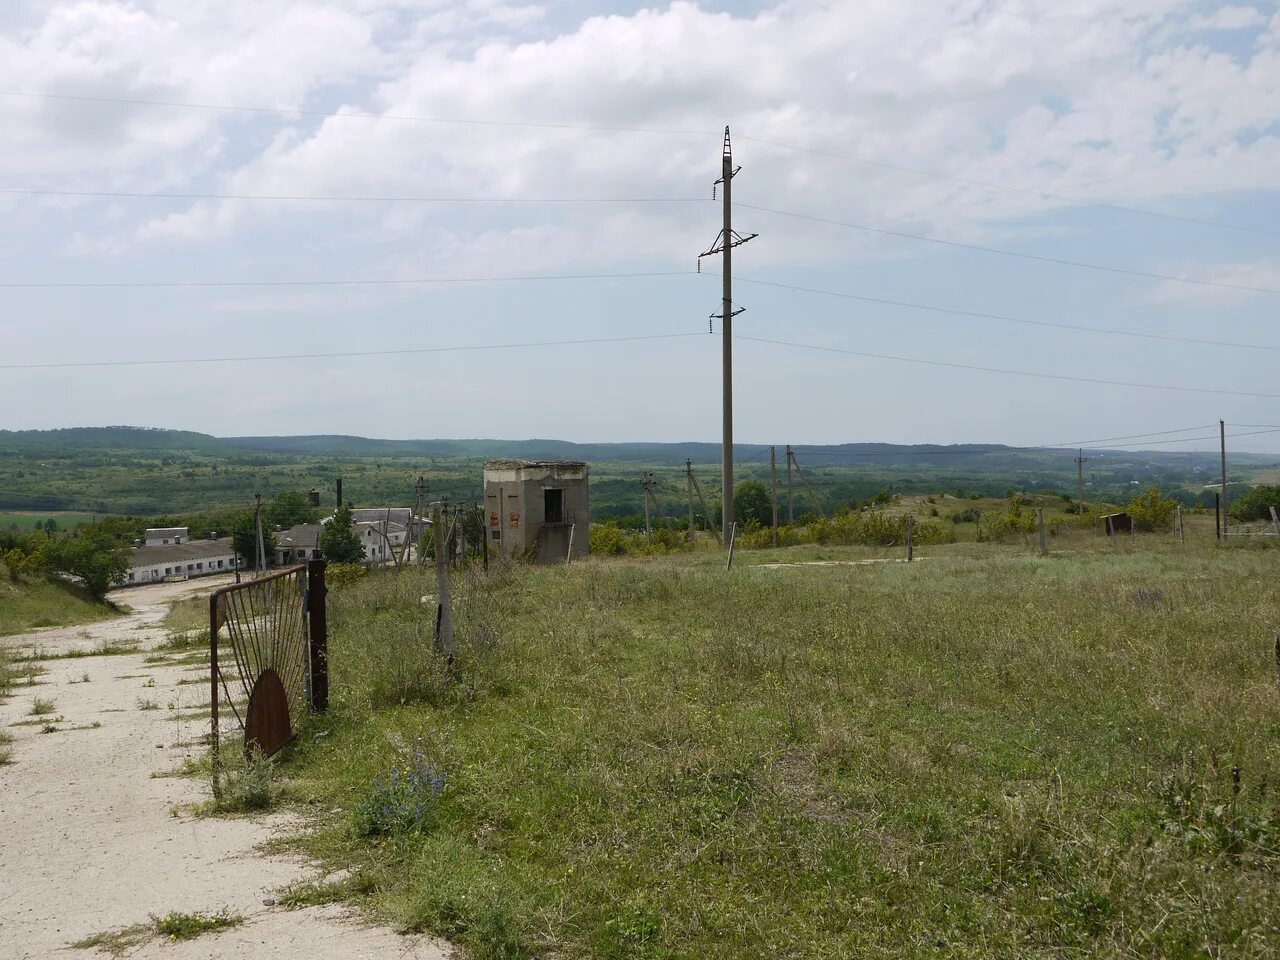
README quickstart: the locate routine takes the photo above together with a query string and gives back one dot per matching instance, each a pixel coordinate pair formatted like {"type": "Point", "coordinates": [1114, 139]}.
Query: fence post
{"type": "Point", "coordinates": [733, 535]}
{"type": "Point", "coordinates": [214, 757]}
{"type": "Point", "coordinates": [568, 557]}
{"type": "Point", "coordinates": [1182, 536]}
{"type": "Point", "coordinates": [911, 522]}
{"type": "Point", "coordinates": [1044, 548]}
{"type": "Point", "coordinates": [1275, 521]}
{"type": "Point", "coordinates": [444, 612]}
{"type": "Point", "coordinates": [318, 633]}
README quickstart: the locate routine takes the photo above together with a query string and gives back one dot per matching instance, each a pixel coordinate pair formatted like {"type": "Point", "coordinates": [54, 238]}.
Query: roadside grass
{"type": "Point", "coordinates": [172, 926]}
{"type": "Point", "coordinates": [41, 706]}
{"type": "Point", "coordinates": [986, 755]}
{"type": "Point", "coordinates": [33, 602]}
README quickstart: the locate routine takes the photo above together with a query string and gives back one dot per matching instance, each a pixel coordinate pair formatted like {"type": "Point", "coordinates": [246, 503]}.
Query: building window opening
{"type": "Point", "coordinates": [553, 506]}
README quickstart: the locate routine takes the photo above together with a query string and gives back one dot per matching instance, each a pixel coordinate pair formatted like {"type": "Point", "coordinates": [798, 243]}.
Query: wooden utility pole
{"type": "Point", "coordinates": [444, 612]}
{"type": "Point", "coordinates": [1217, 515]}
{"type": "Point", "coordinates": [723, 245]}
{"type": "Point", "coordinates": [1044, 547]}
{"type": "Point", "coordinates": [688, 482]}
{"type": "Point", "coordinates": [1081, 459]}
{"type": "Point", "coordinates": [791, 513]}
{"type": "Point", "coordinates": [773, 489]}
{"type": "Point", "coordinates": [1182, 536]}
{"type": "Point", "coordinates": [911, 522]}
{"type": "Point", "coordinates": [1222, 434]}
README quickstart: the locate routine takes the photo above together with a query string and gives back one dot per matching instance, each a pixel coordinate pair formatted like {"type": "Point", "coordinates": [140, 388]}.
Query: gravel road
{"type": "Point", "coordinates": [91, 839]}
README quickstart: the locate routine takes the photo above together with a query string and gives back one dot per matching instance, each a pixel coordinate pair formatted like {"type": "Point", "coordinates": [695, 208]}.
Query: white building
{"type": "Point", "coordinates": [174, 556]}
{"type": "Point", "coordinates": [301, 542]}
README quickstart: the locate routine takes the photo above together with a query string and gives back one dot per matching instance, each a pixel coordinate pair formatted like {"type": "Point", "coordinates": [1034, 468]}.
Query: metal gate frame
{"type": "Point", "coordinates": [266, 689]}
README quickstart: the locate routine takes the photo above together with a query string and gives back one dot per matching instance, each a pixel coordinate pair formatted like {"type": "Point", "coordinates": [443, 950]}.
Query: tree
{"type": "Point", "coordinates": [97, 561]}
{"type": "Point", "coordinates": [244, 540]}
{"type": "Point", "coordinates": [1257, 503]}
{"type": "Point", "coordinates": [340, 543]}
{"type": "Point", "coordinates": [752, 503]}
{"type": "Point", "coordinates": [289, 508]}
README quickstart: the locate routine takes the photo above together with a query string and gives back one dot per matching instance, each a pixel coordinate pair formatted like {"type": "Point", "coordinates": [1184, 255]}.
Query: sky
{"type": "Point", "coordinates": [578, 143]}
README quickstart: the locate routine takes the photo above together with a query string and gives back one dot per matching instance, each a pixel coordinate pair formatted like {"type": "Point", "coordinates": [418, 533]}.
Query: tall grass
{"type": "Point", "coordinates": [986, 755]}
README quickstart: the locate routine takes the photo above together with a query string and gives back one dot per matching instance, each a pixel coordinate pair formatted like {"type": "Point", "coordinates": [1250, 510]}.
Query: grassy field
{"type": "Point", "coordinates": [26, 521]}
{"type": "Point", "coordinates": [35, 602]}
{"type": "Point", "coordinates": [987, 754]}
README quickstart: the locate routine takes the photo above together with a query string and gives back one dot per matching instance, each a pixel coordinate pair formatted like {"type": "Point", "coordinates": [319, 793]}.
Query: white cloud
{"type": "Point", "coordinates": [1230, 17]}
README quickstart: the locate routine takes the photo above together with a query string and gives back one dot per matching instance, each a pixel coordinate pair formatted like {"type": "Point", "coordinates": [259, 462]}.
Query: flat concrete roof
{"type": "Point", "coordinates": [534, 464]}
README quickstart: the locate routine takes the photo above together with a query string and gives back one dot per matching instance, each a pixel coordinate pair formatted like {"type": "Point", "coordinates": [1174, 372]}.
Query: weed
{"type": "Point", "coordinates": [48, 728]}
{"type": "Point", "coordinates": [117, 943]}
{"type": "Point", "coordinates": [404, 800]}
{"type": "Point", "coordinates": [247, 784]}
{"type": "Point", "coordinates": [145, 704]}
{"type": "Point", "coordinates": [41, 706]}
{"type": "Point", "coordinates": [188, 926]}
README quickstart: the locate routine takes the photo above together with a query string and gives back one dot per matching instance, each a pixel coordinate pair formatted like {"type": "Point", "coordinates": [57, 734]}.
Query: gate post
{"type": "Point", "coordinates": [318, 634]}
{"type": "Point", "coordinates": [214, 737]}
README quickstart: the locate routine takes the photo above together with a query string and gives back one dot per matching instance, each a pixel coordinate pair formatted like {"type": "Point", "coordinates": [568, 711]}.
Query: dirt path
{"type": "Point", "coordinates": [92, 840]}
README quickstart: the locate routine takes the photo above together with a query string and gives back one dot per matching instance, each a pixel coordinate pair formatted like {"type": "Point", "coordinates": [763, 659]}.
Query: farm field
{"type": "Point", "coordinates": [25, 521]}
{"type": "Point", "coordinates": [983, 754]}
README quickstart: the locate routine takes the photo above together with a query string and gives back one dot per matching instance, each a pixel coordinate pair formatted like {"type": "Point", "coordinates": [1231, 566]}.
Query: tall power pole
{"type": "Point", "coordinates": [1081, 459]}
{"type": "Point", "coordinates": [773, 490]}
{"type": "Point", "coordinates": [724, 243]}
{"type": "Point", "coordinates": [1222, 434]}
{"type": "Point", "coordinates": [791, 513]}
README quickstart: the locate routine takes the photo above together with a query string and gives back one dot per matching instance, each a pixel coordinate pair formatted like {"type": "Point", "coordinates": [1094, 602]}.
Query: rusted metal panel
{"type": "Point", "coordinates": [267, 725]}
{"type": "Point", "coordinates": [260, 659]}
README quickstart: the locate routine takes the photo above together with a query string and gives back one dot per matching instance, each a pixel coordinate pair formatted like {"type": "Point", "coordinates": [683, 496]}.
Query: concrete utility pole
{"type": "Point", "coordinates": [444, 611]}
{"type": "Point", "coordinates": [1081, 460]}
{"type": "Point", "coordinates": [791, 513]}
{"type": "Point", "coordinates": [644, 485]}
{"type": "Point", "coordinates": [338, 481]}
{"type": "Point", "coordinates": [1222, 434]}
{"type": "Point", "coordinates": [688, 478]}
{"type": "Point", "coordinates": [257, 526]}
{"type": "Point", "coordinates": [773, 489]}
{"type": "Point", "coordinates": [724, 244]}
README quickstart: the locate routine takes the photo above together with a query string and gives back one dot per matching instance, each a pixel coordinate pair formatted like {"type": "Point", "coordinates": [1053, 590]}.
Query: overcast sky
{"type": "Point", "coordinates": [1151, 105]}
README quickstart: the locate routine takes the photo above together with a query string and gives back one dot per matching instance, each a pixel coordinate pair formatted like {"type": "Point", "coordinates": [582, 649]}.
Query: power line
{"type": "Point", "coordinates": [1251, 433]}
{"type": "Point", "coordinates": [1000, 251]}
{"type": "Point", "coordinates": [348, 115]}
{"type": "Point", "coordinates": [1016, 373]}
{"type": "Point", "coordinates": [125, 194]}
{"type": "Point", "coordinates": [1006, 188]}
{"type": "Point", "coordinates": [338, 283]}
{"type": "Point", "coordinates": [1134, 436]}
{"type": "Point", "coordinates": [345, 353]}
{"type": "Point", "coordinates": [1007, 319]}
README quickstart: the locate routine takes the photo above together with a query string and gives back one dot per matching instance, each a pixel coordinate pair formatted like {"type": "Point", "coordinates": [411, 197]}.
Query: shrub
{"type": "Point", "coordinates": [1257, 503]}
{"type": "Point", "coordinates": [607, 539]}
{"type": "Point", "coordinates": [1150, 511]}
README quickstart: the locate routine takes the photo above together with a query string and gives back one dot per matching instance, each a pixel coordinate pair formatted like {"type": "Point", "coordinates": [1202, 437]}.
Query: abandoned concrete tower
{"type": "Point", "coordinates": [537, 508]}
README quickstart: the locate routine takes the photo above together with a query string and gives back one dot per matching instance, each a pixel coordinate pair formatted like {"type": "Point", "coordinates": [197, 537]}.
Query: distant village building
{"type": "Point", "coordinates": [378, 537]}
{"type": "Point", "coordinates": [537, 508]}
{"type": "Point", "coordinates": [169, 553]}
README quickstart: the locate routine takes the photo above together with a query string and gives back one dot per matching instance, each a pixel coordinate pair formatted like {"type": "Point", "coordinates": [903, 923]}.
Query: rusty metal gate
{"type": "Point", "coordinates": [267, 659]}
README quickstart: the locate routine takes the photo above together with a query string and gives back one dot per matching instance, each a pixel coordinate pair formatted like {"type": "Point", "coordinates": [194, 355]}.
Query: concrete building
{"type": "Point", "coordinates": [170, 558]}
{"type": "Point", "coordinates": [165, 536]}
{"type": "Point", "coordinates": [301, 543]}
{"type": "Point", "coordinates": [534, 508]}
{"type": "Point", "coordinates": [298, 544]}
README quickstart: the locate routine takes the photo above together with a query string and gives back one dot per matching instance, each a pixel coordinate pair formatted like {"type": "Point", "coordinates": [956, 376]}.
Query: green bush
{"type": "Point", "coordinates": [1151, 511]}
{"type": "Point", "coordinates": [1257, 503]}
